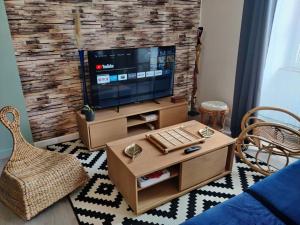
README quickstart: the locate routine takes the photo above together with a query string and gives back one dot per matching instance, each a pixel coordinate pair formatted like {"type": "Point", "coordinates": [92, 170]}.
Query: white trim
{"type": "Point", "coordinates": [56, 140]}
{"type": "Point", "coordinates": [5, 153]}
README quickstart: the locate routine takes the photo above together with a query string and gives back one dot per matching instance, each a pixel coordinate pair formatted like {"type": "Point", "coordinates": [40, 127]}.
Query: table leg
{"type": "Point", "coordinates": [222, 119]}
{"type": "Point", "coordinates": [214, 119]}
{"type": "Point", "coordinates": [201, 116]}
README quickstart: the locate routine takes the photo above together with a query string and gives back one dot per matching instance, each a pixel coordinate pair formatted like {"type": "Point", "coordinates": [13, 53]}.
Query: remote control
{"type": "Point", "coordinates": [191, 149]}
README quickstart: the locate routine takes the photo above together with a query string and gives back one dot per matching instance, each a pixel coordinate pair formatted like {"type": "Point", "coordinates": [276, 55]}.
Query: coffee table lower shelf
{"type": "Point", "coordinates": [165, 192]}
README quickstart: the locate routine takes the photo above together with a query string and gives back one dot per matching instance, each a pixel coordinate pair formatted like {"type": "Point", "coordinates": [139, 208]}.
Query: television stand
{"type": "Point", "coordinates": [111, 124]}
{"type": "Point", "coordinates": [156, 101]}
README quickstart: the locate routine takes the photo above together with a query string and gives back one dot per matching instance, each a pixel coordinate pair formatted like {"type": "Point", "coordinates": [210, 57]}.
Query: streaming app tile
{"type": "Point", "coordinates": [113, 78]}
{"type": "Point", "coordinates": [149, 73]}
{"type": "Point", "coordinates": [170, 58]}
{"type": "Point", "coordinates": [153, 66]}
{"type": "Point", "coordinates": [131, 76]}
{"type": "Point", "coordinates": [170, 51]}
{"type": "Point", "coordinates": [162, 59]}
{"type": "Point", "coordinates": [167, 72]}
{"type": "Point", "coordinates": [162, 52]}
{"type": "Point", "coordinates": [158, 72]}
{"type": "Point", "coordinates": [161, 66]}
{"type": "Point", "coordinates": [141, 74]}
{"type": "Point", "coordinates": [122, 76]}
{"type": "Point", "coordinates": [103, 79]}
{"type": "Point", "coordinates": [153, 60]}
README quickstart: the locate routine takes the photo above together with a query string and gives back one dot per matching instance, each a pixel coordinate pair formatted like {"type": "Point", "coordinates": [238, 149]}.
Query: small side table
{"type": "Point", "coordinates": [216, 111]}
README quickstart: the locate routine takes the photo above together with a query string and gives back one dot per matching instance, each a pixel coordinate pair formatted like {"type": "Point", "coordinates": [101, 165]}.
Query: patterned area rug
{"type": "Point", "coordinates": [99, 202]}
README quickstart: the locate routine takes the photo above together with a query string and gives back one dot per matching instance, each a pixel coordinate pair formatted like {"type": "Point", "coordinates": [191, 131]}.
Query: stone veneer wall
{"type": "Point", "coordinates": [47, 58]}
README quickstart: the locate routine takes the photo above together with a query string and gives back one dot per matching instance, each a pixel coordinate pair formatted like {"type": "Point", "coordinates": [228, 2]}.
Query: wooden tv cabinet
{"type": "Point", "coordinates": [110, 125]}
{"type": "Point", "coordinates": [187, 171]}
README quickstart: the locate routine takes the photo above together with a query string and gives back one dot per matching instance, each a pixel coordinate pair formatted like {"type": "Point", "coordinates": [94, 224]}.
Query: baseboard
{"type": "Point", "coordinates": [5, 153]}
{"type": "Point", "coordinates": [56, 140]}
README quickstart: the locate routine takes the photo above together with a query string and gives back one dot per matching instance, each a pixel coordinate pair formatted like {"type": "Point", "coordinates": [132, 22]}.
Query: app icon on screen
{"type": "Point", "coordinates": [131, 76]}
{"type": "Point", "coordinates": [122, 76]}
{"type": "Point", "coordinates": [103, 79]}
{"type": "Point", "coordinates": [113, 78]}
{"type": "Point", "coordinates": [149, 73]}
{"type": "Point", "coordinates": [141, 74]}
{"type": "Point", "coordinates": [168, 72]}
{"type": "Point", "coordinates": [170, 58]}
{"type": "Point", "coordinates": [158, 72]}
{"type": "Point", "coordinates": [162, 59]}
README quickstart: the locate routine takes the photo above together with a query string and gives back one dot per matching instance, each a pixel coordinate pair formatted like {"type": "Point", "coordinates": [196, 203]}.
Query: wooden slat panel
{"type": "Point", "coordinates": [43, 36]}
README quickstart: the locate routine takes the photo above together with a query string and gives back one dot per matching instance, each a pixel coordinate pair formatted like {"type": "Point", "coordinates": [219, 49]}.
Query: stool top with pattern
{"type": "Point", "coordinates": [214, 106]}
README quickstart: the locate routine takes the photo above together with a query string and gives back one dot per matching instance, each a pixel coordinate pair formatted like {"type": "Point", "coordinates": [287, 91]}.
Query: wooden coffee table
{"type": "Point", "coordinates": [188, 171]}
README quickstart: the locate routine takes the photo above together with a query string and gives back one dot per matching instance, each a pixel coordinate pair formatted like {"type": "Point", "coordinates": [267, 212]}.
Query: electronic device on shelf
{"type": "Point", "coordinates": [123, 76]}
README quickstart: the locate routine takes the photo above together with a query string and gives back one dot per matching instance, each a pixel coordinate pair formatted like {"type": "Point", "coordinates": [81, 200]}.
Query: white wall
{"type": "Point", "coordinates": [220, 41]}
{"type": "Point", "coordinates": [10, 86]}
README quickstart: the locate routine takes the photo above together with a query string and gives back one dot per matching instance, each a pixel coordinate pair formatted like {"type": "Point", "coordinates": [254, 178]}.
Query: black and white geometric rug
{"type": "Point", "coordinates": [99, 202]}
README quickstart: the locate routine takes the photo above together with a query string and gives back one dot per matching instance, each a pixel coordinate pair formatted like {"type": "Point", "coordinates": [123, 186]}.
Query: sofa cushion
{"type": "Point", "coordinates": [280, 193]}
{"type": "Point", "coordinates": [241, 209]}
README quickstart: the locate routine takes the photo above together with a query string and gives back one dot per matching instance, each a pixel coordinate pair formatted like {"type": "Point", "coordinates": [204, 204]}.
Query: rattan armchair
{"type": "Point", "coordinates": [268, 139]}
{"type": "Point", "coordinates": [33, 178]}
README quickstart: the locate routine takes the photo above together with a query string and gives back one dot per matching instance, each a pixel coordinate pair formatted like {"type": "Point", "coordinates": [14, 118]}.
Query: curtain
{"type": "Point", "coordinates": [256, 28]}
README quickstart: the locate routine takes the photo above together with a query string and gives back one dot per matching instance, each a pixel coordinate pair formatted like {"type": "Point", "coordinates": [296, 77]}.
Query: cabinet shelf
{"type": "Point", "coordinates": [157, 194]}
{"type": "Point", "coordinates": [174, 172]}
{"type": "Point", "coordinates": [135, 121]}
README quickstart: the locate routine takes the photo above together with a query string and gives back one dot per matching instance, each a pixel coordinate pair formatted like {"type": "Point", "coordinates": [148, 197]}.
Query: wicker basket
{"type": "Point", "coordinates": [33, 178]}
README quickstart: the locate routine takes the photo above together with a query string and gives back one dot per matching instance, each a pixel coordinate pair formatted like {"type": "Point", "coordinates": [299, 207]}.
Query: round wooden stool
{"type": "Point", "coordinates": [216, 111]}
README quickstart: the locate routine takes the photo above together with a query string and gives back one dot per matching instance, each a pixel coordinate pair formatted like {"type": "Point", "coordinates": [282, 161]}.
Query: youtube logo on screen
{"type": "Point", "coordinates": [105, 66]}
{"type": "Point", "coordinates": [99, 67]}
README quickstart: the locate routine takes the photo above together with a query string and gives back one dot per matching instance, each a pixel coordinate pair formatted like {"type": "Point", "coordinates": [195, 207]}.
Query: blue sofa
{"type": "Point", "coordinates": [274, 200]}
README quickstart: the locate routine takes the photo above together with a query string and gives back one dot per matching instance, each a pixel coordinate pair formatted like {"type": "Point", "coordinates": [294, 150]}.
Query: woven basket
{"type": "Point", "coordinates": [33, 178]}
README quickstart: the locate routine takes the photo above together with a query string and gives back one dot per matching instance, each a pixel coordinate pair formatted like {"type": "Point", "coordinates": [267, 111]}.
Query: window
{"type": "Point", "coordinates": [281, 77]}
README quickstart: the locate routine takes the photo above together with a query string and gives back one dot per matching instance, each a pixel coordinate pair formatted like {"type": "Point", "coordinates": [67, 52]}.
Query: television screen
{"type": "Point", "coordinates": [122, 76]}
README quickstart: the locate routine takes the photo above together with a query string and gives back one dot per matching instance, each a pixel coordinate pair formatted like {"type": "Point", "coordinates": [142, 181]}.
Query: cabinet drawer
{"type": "Point", "coordinates": [172, 116]}
{"type": "Point", "coordinates": [103, 132]}
{"type": "Point", "coordinates": [202, 168]}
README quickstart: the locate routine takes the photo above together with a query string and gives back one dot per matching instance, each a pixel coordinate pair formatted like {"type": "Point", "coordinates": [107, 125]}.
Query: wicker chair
{"type": "Point", "coordinates": [34, 178]}
{"type": "Point", "coordinates": [269, 139]}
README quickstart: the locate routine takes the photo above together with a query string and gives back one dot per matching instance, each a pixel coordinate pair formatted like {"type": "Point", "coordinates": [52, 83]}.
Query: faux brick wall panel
{"type": "Point", "coordinates": [47, 57]}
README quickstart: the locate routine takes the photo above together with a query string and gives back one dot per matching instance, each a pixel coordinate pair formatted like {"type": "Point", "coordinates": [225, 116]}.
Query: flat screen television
{"type": "Point", "coordinates": [123, 76]}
